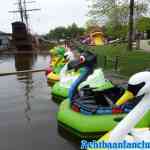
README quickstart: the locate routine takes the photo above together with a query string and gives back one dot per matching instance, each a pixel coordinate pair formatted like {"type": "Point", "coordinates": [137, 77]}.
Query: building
{"type": "Point", "coordinates": [96, 35]}
{"type": "Point", "coordinates": [5, 39]}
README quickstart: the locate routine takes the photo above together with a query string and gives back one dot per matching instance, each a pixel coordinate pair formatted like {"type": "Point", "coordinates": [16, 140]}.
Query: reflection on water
{"type": "Point", "coordinates": [27, 113]}
{"type": "Point", "coordinates": [26, 62]}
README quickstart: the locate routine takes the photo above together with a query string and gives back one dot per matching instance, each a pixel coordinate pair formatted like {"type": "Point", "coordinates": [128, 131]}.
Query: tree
{"type": "Point", "coordinates": [57, 34]}
{"type": "Point", "coordinates": [74, 31]}
{"type": "Point", "coordinates": [118, 15]}
{"type": "Point", "coordinates": [131, 21]}
{"type": "Point", "coordinates": [143, 24]}
{"type": "Point", "coordinates": [120, 31]}
{"type": "Point", "coordinates": [71, 32]}
{"type": "Point", "coordinates": [115, 10]}
{"type": "Point", "coordinates": [99, 10]}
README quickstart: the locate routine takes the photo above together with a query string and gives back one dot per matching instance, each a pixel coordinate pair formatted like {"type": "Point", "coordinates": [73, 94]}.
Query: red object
{"type": "Point", "coordinates": [48, 70]}
{"type": "Point", "coordinates": [117, 110]}
{"type": "Point", "coordinates": [75, 108]}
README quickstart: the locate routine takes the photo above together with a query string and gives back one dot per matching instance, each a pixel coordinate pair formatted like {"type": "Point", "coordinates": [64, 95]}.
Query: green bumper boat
{"type": "Point", "coordinates": [96, 80]}
{"type": "Point", "coordinates": [90, 126]}
{"type": "Point", "coordinates": [60, 89]}
{"type": "Point", "coordinates": [91, 111]}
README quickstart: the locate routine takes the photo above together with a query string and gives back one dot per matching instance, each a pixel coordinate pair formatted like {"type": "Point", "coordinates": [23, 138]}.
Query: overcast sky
{"type": "Point", "coordinates": [53, 13]}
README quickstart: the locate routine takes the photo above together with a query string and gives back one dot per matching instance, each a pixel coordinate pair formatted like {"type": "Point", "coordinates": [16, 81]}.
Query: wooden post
{"type": "Point", "coordinates": [105, 61]}
{"type": "Point", "coordinates": [116, 63]}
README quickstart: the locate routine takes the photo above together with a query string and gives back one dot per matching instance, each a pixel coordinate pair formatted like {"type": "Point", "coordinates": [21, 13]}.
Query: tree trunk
{"type": "Point", "coordinates": [131, 18]}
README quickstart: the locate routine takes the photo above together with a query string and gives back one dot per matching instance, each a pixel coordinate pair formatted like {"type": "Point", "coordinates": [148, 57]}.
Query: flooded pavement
{"type": "Point", "coordinates": [27, 113]}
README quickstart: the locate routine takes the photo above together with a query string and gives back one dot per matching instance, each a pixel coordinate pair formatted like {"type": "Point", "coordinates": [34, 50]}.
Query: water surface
{"type": "Point", "coordinates": [27, 113]}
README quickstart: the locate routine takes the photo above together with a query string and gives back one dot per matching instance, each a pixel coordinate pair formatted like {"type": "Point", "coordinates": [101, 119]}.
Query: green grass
{"type": "Point", "coordinates": [130, 62]}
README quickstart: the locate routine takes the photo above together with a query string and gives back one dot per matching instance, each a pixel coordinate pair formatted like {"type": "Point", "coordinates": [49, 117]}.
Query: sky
{"type": "Point", "coordinates": [53, 13]}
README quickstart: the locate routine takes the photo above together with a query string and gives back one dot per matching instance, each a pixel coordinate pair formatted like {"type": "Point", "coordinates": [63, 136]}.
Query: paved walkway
{"type": "Point", "coordinates": [116, 78]}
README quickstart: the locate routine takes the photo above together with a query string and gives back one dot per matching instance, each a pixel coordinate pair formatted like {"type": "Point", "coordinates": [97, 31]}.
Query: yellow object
{"type": "Point", "coordinates": [97, 38]}
{"type": "Point", "coordinates": [56, 60]}
{"type": "Point", "coordinates": [126, 96]}
{"type": "Point", "coordinates": [52, 76]}
{"type": "Point", "coordinates": [105, 137]}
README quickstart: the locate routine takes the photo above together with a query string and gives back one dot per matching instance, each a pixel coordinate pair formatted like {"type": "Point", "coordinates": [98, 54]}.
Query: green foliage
{"type": "Point", "coordinates": [115, 11]}
{"type": "Point", "coordinates": [99, 8]}
{"type": "Point", "coordinates": [57, 33]}
{"type": "Point", "coordinates": [143, 24]}
{"type": "Point", "coordinates": [74, 31]}
{"type": "Point", "coordinates": [70, 32]}
{"type": "Point", "coordinates": [120, 31]}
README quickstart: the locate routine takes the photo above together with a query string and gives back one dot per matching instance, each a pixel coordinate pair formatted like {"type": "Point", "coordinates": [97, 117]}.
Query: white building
{"type": "Point", "coordinates": [5, 39]}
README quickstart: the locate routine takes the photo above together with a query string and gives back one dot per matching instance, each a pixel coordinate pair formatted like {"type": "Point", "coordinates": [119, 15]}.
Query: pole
{"type": "Point", "coordinates": [105, 61]}
{"type": "Point", "coordinates": [131, 22]}
{"type": "Point", "coordinates": [116, 63]}
{"type": "Point", "coordinates": [21, 10]}
{"type": "Point", "coordinates": [19, 72]}
{"type": "Point", "coordinates": [25, 14]}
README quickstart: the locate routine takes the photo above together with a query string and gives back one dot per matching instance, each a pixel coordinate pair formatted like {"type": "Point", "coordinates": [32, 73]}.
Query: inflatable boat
{"type": "Point", "coordinates": [60, 89]}
{"type": "Point", "coordinates": [96, 80]}
{"type": "Point", "coordinates": [89, 118]}
{"type": "Point", "coordinates": [89, 122]}
{"type": "Point", "coordinates": [53, 76]}
{"type": "Point", "coordinates": [59, 66]}
{"type": "Point", "coordinates": [56, 64]}
{"type": "Point", "coordinates": [89, 112]}
{"type": "Point", "coordinates": [127, 130]}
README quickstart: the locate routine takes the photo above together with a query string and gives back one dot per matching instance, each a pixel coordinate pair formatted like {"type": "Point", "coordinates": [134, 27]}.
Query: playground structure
{"type": "Point", "coordinates": [94, 36]}
{"type": "Point", "coordinates": [97, 38]}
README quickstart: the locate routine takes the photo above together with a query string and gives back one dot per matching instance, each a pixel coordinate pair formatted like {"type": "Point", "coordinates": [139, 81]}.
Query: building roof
{"type": "Point", "coordinates": [95, 29]}
{"type": "Point", "coordinates": [97, 33]}
{"type": "Point", "coordinates": [4, 33]}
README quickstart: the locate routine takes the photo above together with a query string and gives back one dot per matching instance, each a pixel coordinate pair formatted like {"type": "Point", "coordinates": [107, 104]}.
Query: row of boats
{"type": "Point", "coordinates": [91, 105]}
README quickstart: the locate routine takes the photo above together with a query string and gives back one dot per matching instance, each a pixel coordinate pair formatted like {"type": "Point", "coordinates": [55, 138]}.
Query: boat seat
{"type": "Point", "coordinates": [98, 103]}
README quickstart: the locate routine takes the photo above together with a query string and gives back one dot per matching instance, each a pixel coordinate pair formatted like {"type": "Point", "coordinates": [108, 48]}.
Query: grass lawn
{"type": "Point", "coordinates": [129, 62]}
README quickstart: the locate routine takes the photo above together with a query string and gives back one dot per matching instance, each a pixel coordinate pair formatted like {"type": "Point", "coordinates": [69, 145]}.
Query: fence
{"type": "Point", "coordinates": [124, 65]}
{"type": "Point", "coordinates": [107, 63]}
